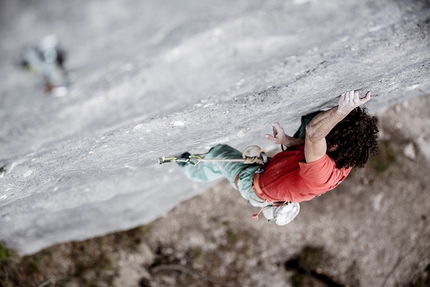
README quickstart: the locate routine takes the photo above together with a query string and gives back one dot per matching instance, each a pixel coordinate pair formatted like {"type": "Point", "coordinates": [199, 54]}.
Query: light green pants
{"type": "Point", "coordinates": [210, 171]}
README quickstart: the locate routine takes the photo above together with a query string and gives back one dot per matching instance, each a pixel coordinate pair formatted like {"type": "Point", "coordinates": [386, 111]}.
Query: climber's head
{"type": "Point", "coordinates": [353, 140]}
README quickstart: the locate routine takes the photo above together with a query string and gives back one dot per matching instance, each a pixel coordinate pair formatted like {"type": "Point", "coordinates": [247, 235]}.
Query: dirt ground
{"type": "Point", "coordinates": [373, 230]}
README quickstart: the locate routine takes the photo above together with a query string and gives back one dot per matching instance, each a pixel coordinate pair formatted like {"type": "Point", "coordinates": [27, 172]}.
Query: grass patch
{"type": "Point", "coordinates": [5, 253]}
{"type": "Point", "coordinates": [385, 158]}
{"type": "Point", "coordinates": [9, 260]}
{"type": "Point", "coordinates": [91, 262]}
{"type": "Point", "coordinates": [196, 253]}
{"type": "Point", "coordinates": [307, 268]}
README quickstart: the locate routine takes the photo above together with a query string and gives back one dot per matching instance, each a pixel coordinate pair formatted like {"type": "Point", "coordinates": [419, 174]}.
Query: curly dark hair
{"type": "Point", "coordinates": [355, 139]}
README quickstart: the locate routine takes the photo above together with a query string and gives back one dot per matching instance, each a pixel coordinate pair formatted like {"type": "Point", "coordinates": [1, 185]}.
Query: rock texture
{"type": "Point", "coordinates": [154, 78]}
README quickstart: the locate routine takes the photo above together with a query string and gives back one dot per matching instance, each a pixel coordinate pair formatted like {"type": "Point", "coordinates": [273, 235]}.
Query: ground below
{"type": "Point", "coordinates": [373, 230]}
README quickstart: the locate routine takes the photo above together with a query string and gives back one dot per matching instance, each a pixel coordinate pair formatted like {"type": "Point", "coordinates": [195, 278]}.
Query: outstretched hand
{"type": "Point", "coordinates": [279, 136]}
{"type": "Point", "coordinates": [350, 100]}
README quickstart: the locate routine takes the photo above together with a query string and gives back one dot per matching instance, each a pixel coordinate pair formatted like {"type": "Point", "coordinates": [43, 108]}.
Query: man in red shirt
{"type": "Point", "coordinates": [335, 141]}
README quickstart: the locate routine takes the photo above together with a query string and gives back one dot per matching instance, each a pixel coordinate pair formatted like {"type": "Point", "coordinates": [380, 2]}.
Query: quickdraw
{"type": "Point", "coordinates": [251, 155]}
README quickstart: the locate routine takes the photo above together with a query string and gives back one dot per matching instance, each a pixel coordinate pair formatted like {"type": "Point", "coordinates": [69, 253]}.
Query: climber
{"type": "Point", "coordinates": [317, 159]}
{"type": "Point", "coordinates": [47, 60]}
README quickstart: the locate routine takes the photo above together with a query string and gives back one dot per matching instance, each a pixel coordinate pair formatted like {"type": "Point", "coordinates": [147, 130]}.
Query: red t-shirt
{"type": "Point", "coordinates": [289, 178]}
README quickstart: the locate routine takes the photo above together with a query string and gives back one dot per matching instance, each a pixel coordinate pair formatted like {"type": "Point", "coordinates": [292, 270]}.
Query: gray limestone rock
{"type": "Point", "coordinates": [154, 78]}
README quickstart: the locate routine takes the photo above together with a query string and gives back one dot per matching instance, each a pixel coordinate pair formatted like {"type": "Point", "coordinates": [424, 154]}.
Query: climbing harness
{"type": "Point", "coordinates": [279, 212]}
{"type": "Point", "coordinates": [250, 155]}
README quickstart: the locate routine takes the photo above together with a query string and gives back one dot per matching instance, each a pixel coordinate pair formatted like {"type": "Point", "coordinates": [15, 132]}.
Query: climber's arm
{"type": "Point", "coordinates": [323, 123]}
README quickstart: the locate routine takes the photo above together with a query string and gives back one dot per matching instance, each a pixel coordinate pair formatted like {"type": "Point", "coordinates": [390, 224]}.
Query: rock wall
{"type": "Point", "coordinates": [153, 78]}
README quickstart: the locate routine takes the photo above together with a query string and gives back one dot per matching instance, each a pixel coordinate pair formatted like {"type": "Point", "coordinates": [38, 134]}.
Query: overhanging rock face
{"type": "Point", "coordinates": [154, 78]}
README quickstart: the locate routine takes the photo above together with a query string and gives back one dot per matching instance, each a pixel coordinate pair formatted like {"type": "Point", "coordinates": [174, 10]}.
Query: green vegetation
{"type": "Point", "coordinates": [8, 262]}
{"type": "Point", "coordinates": [385, 157]}
{"type": "Point", "coordinates": [308, 268]}
{"type": "Point", "coordinates": [312, 257]}
{"type": "Point", "coordinates": [91, 262]}
{"type": "Point", "coordinates": [4, 253]}
{"type": "Point", "coordinates": [196, 253]}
